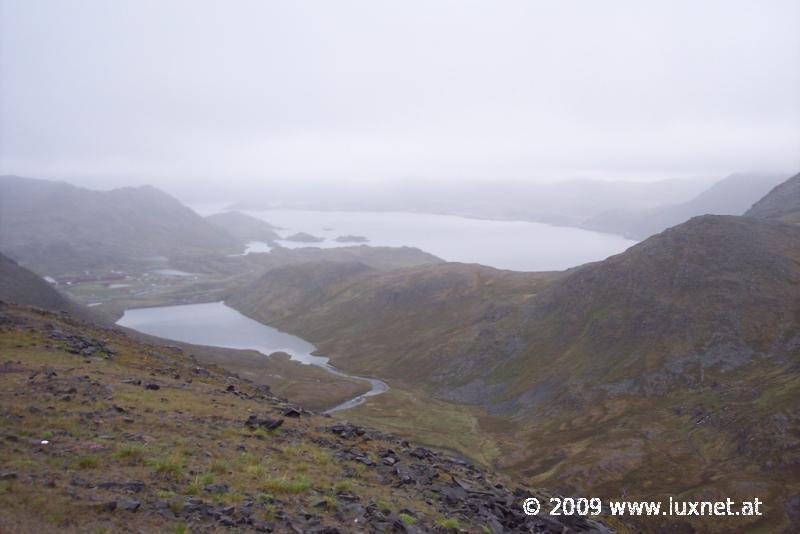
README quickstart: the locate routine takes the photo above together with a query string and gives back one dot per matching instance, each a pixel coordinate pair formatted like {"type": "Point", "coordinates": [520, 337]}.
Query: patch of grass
{"type": "Point", "coordinates": [228, 499]}
{"type": "Point", "coordinates": [287, 485]}
{"type": "Point", "coordinates": [407, 519]}
{"type": "Point", "coordinates": [263, 433]}
{"type": "Point", "coordinates": [132, 453]}
{"type": "Point", "coordinates": [329, 502]}
{"type": "Point", "coordinates": [23, 462]}
{"type": "Point", "coordinates": [247, 458]}
{"type": "Point", "coordinates": [255, 471]}
{"type": "Point", "coordinates": [321, 457]}
{"type": "Point", "coordinates": [267, 512]}
{"type": "Point", "coordinates": [196, 486]}
{"type": "Point", "coordinates": [413, 414]}
{"type": "Point", "coordinates": [180, 527]}
{"type": "Point", "coordinates": [90, 461]}
{"type": "Point", "coordinates": [301, 467]}
{"type": "Point", "coordinates": [384, 505]}
{"type": "Point", "coordinates": [450, 523]}
{"type": "Point", "coordinates": [171, 466]}
{"type": "Point", "coordinates": [219, 467]}
{"type": "Point", "coordinates": [175, 505]}
{"type": "Point", "coordinates": [344, 484]}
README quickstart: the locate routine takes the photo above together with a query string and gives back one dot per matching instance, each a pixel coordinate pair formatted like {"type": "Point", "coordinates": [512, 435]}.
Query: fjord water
{"type": "Point", "coordinates": [217, 325]}
{"type": "Point", "coordinates": [515, 245]}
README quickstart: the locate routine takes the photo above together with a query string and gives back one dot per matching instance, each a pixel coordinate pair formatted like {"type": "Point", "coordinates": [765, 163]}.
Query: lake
{"type": "Point", "coordinates": [217, 325]}
{"type": "Point", "coordinates": [515, 245]}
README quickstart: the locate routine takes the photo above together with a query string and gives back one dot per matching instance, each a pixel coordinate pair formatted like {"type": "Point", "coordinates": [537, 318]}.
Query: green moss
{"type": "Point", "coordinates": [286, 485]}
{"type": "Point", "coordinates": [171, 466]}
{"type": "Point", "coordinates": [132, 453]}
{"type": "Point", "coordinates": [90, 461]}
{"type": "Point", "coordinates": [407, 519]}
{"type": "Point", "coordinates": [450, 523]}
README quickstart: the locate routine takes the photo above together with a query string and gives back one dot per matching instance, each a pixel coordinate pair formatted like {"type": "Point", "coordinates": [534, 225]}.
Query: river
{"type": "Point", "coordinates": [218, 325]}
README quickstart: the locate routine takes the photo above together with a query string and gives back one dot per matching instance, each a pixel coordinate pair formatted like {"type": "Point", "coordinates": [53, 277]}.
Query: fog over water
{"type": "Point", "coordinates": [515, 245]}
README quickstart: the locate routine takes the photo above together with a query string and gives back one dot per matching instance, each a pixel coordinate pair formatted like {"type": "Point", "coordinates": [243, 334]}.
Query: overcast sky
{"type": "Point", "coordinates": [174, 92]}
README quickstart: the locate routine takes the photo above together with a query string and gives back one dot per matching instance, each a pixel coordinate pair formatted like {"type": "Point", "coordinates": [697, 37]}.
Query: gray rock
{"type": "Point", "coordinates": [129, 505]}
{"type": "Point", "coordinates": [217, 489]}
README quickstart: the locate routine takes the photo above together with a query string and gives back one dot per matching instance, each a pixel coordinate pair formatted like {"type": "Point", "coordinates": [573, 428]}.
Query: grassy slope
{"type": "Point", "coordinates": [111, 440]}
{"type": "Point", "coordinates": [697, 445]}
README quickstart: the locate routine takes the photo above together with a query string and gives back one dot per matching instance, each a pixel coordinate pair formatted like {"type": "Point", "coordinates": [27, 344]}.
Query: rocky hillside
{"type": "Point", "coordinates": [101, 432]}
{"type": "Point", "coordinates": [55, 228]}
{"type": "Point", "coordinates": [781, 204]}
{"type": "Point", "coordinates": [244, 227]}
{"type": "Point", "coordinates": [699, 325]}
{"type": "Point", "coordinates": [714, 292]}
{"type": "Point", "coordinates": [21, 286]}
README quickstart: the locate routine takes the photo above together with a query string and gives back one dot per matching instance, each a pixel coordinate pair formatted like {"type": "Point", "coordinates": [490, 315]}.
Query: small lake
{"type": "Point", "coordinates": [515, 245]}
{"type": "Point", "coordinates": [217, 325]}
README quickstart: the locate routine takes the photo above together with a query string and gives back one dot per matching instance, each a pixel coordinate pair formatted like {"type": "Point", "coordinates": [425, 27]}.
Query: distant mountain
{"type": "Point", "coordinates": [56, 228]}
{"type": "Point", "coordinates": [730, 196]}
{"type": "Point", "coordinates": [781, 204]}
{"type": "Point", "coordinates": [671, 368]}
{"type": "Point", "coordinates": [564, 202]}
{"type": "Point", "coordinates": [21, 286]}
{"type": "Point", "coordinates": [244, 227]}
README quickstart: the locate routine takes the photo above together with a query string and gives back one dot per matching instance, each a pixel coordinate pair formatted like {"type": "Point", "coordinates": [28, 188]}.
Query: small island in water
{"type": "Point", "coordinates": [351, 239]}
{"type": "Point", "coordinates": [302, 237]}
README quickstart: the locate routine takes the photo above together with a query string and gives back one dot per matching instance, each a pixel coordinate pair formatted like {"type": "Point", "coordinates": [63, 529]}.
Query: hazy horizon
{"type": "Point", "coordinates": [203, 95]}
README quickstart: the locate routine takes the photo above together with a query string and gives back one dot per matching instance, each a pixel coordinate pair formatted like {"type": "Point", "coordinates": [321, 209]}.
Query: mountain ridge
{"type": "Point", "coordinates": [244, 227]}
{"type": "Point", "coordinates": [782, 203]}
{"type": "Point", "coordinates": [21, 286]}
{"type": "Point", "coordinates": [56, 228]}
{"type": "Point", "coordinates": [732, 195]}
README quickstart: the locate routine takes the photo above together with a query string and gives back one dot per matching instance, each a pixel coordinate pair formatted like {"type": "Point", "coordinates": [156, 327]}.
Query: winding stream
{"type": "Point", "coordinates": [217, 325]}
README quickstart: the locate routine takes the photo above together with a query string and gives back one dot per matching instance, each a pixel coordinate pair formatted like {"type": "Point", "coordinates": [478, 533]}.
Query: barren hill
{"type": "Point", "coordinates": [781, 204]}
{"type": "Point", "coordinates": [56, 228]}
